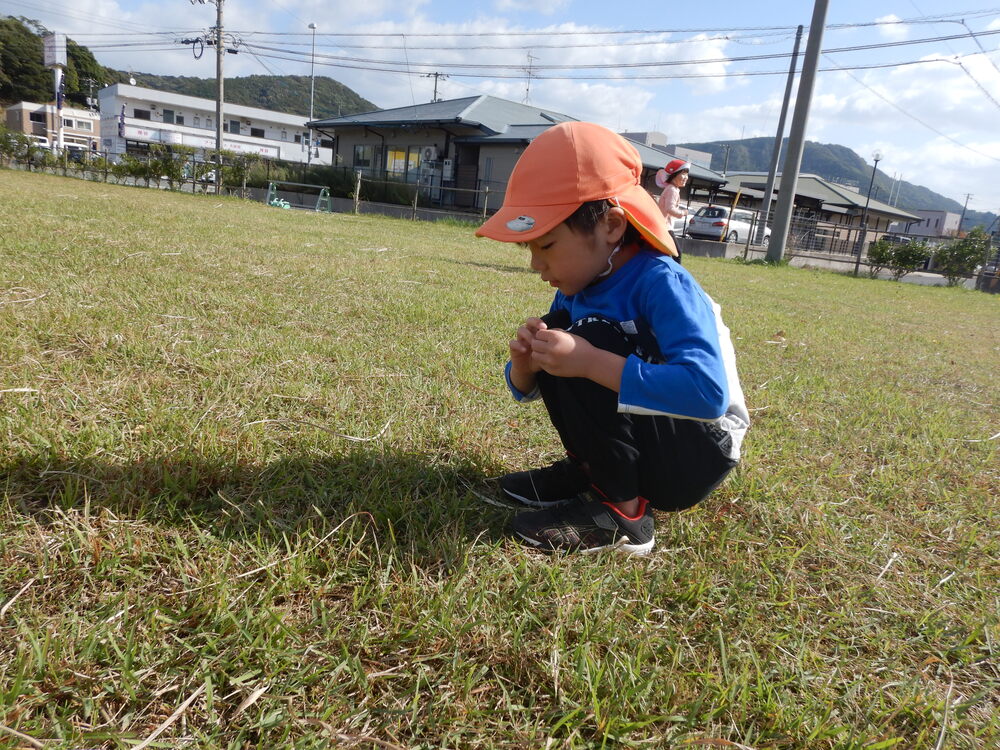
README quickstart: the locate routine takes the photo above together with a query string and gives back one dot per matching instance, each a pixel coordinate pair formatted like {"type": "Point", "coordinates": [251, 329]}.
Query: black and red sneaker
{"type": "Point", "coordinates": [587, 527]}
{"type": "Point", "coordinates": [558, 484]}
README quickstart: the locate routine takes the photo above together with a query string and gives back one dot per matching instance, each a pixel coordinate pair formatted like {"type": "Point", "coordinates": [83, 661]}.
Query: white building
{"type": "Point", "coordinates": [133, 118]}
{"type": "Point", "coordinates": [932, 224]}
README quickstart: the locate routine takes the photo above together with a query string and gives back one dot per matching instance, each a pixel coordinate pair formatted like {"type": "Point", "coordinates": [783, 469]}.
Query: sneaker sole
{"type": "Point", "coordinates": [622, 545]}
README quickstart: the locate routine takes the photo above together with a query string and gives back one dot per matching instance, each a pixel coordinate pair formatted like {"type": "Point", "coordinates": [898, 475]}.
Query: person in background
{"type": "Point", "coordinates": [672, 178]}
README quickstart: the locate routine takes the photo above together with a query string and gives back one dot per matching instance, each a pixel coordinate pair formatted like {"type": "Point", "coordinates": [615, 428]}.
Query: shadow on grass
{"type": "Point", "coordinates": [421, 506]}
{"type": "Point", "coordinates": [491, 266]}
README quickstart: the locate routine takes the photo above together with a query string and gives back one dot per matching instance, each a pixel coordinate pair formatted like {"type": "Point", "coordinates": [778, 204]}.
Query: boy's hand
{"type": "Point", "coordinates": [520, 347]}
{"type": "Point", "coordinates": [561, 354]}
{"type": "Point", "coordinates": [567, 356]}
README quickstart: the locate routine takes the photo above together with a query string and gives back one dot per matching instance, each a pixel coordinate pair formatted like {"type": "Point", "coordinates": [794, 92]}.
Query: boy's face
{"type": "Point", "coordinates": [570, 260]}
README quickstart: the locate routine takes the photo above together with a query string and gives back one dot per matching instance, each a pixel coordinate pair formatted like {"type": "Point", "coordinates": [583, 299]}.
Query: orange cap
{"type": "Point", "coordinates": [568, 165]}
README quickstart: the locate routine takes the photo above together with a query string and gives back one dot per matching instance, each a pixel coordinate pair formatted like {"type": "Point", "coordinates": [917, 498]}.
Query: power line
{"type": "Point", "coordinates": [617, 66]}
{"type": "Point", "coordinates": [979, 44]}
{"type": "Point", "coordinates": [976, 13]}
{"type": "Point", "coordinates": [912, 116]}
{"type": "Point", "coordinates": [355, 65]}
{"type": "Point", "coordinates": [976, 81]}
{"type": "Point", "coordinates": [47, 8]}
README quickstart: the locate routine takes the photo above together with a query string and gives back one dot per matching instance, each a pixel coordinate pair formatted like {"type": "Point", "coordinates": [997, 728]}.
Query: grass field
{"type": "Point", "coordinates": [241, 451]}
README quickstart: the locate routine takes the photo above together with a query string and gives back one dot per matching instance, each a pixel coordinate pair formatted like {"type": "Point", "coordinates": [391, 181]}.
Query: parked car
{"type": "Point", "coordinates": [715, 223]}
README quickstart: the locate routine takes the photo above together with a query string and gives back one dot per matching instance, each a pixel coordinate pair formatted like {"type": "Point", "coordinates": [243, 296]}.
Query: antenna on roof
{"type": "Point", "coordinates": [527, 87]}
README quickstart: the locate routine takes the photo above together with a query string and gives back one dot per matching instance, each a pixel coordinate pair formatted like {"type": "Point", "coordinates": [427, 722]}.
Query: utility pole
{"type": "Point", "coordinates": [219, 94]}
{"type": "Point", "coordinates": [796, 136]}
{"type": "Point", "coordinates": [312, 90]}
{"type": "Point", "coordinates": [435, 76]}
{"type": "Point", "coordinates": [765, 208]}
{"type": "Point", "coordinates": [967, 196]}
{"type": "Point", "coordinates": [725, 165]}
{"type": "Point", "coordinates": [219, 88]}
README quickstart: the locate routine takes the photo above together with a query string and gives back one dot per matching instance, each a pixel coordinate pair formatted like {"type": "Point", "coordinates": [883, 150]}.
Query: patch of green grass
{"type": "Point", "coordinates": [240, 452]}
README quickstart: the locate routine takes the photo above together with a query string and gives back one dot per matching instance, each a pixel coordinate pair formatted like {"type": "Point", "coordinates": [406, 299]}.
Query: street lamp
{"type": "Point", "coordinates": [312, 88]}
{"type": "Point", "coordinates": [876, 157]}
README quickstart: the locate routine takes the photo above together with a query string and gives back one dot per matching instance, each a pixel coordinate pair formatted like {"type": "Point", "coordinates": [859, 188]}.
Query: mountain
{"type": "Point", "coordinates": [289, 94]}
{"type": "Point", "coordinates": [836, 164]}
{"type": "Point", "coordinates": [23, 77]}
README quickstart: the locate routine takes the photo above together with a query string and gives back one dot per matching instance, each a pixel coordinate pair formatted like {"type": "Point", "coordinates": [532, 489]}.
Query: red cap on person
{"type": "Point", "coordinates": [674, 167]}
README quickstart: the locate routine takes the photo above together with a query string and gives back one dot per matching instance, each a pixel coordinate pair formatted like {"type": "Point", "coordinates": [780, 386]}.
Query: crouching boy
{"type": "Point", "coordinates": [632, 361]}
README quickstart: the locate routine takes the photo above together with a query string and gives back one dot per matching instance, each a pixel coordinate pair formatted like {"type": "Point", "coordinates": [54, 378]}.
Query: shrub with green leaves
{"type": "Point", "coordinates": [959, 259]}
{"type": "Point", "coordinates": [907, 258]}
{"type": "Point", "coordinates": [879, 256]}
{"type": "Point", "coordinates": [13, 145]}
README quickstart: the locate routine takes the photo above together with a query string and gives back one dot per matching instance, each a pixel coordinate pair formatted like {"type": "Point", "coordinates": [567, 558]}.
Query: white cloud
{"type": "Point", "coordinates": [891, 28]}
{"type": "Point", "coordinates": [545, 7]}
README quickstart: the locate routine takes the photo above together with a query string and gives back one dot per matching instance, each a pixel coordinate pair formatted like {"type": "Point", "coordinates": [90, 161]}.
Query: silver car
{"type": "Point", "coordinates": [715, 223]}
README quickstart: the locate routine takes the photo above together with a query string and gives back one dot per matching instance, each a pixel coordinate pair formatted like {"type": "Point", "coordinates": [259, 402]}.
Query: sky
{"type": "Point", "coordinates": [913, 81]}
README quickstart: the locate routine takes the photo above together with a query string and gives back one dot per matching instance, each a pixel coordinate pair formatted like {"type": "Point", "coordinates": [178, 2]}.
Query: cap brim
{"type": "Point", "coordinates": [524, 223]}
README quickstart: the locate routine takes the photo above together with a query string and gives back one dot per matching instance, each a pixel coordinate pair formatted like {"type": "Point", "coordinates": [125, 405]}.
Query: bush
{"type": "Point", "coordinates": [907, 258]}
{"type": "Point", "coordinates": [14, 145]}
{"type": "Point", "coordinates": [959, 259]}
{"type": "Point", "coordinates": [169, 162]}
{"type": "Point", "coordinates": [880, 255]}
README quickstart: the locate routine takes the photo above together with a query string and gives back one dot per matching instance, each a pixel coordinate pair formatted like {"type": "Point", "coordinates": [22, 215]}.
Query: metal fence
{"type": "Point", "coordinates": [810, 235]}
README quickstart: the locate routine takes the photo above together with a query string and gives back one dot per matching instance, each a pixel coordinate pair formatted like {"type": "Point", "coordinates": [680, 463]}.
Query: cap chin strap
{"type": "Point", "coordinates": [610, 267]}
{"type": "Point", "coordinates": [613, 200]}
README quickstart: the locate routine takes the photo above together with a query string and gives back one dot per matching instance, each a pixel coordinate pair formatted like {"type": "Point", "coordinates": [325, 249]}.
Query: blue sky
{"type": "Point", "coordinates": [933, 111]}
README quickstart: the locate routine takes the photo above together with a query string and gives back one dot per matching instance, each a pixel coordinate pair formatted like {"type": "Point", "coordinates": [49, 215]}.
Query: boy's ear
{"type": "Point", "coordinates": [616, 222]}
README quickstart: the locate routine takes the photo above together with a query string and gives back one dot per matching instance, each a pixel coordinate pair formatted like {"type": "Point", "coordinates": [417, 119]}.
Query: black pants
{"type": "Point", "coordinates": [673, 463]}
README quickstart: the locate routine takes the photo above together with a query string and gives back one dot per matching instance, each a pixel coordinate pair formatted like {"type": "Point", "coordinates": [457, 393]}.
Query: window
{"type": "Point", "coordinates": [36, 116]}
{"type": "Point", "coordinates": [197, 121]}
{"type": "Point", "coordinates": [395, 160]}
{"type": "Point", "coordinates": [413, 158]}
{"type": "Point", "coordinates": [326, 143]}
{"type": "Point", "coordinates": [284, 135]}
{"type": "Point", "coordinates": [712, 212]}
{"type": "Point", "coordinates": [137, 147]}
{"type": "Point", "coordinates": [208, 123]}
{"type": "Point", "coordinates": [179, 119]}
{"type": "Point", "coordinates": [298, 137]}
{"type": "Point", "coordinates": [256, 132]}
{"type": "Point", "coordinates": [168, 116]}
{"type": "Point", "coordinates": [141, 114]}
{"type": "Point", "coordinates": [84, 125]}
{"type": "Point", "coordinates": [364, 156]}
{"type": "Point", "coordinates": [67, 122]}
{"type": "Point", "coordinates": [234, 127]}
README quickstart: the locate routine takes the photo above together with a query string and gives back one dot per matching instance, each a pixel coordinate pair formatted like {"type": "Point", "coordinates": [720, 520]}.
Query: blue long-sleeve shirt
{"type": "Point", "coordinates": [695, 375]}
